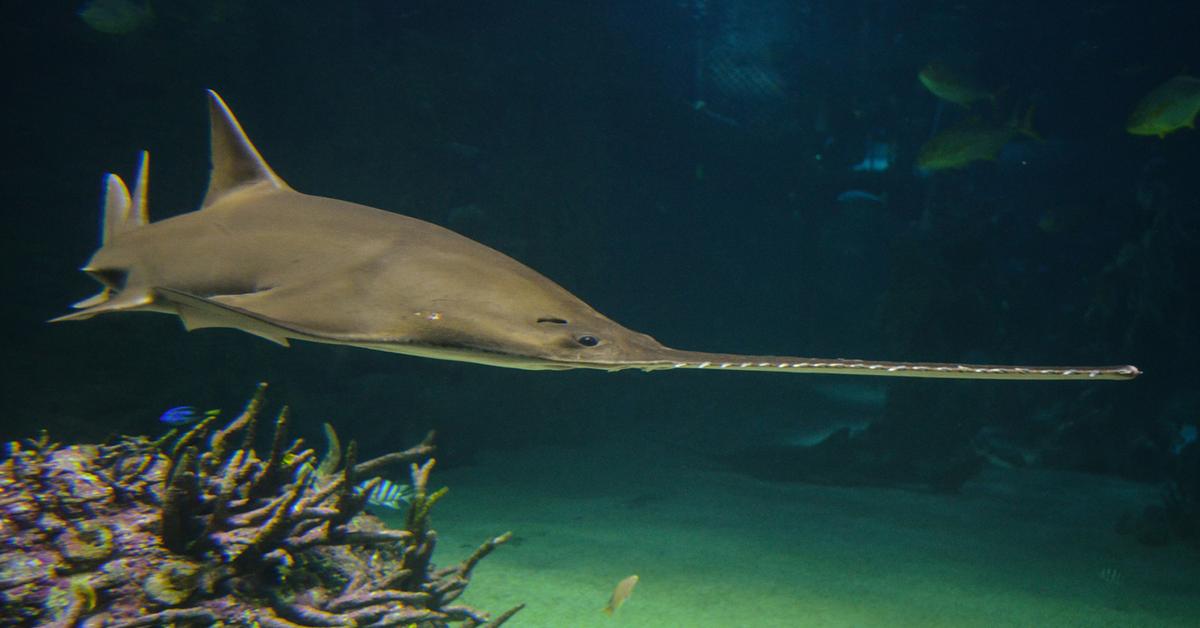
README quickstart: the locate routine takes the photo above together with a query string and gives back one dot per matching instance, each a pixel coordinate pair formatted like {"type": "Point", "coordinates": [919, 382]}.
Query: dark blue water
{"type": "Point", "coordinates": [678, 166]}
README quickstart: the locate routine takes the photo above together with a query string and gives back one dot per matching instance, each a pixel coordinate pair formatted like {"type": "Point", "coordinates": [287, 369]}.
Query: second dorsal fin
{"type": "Point", "coordinates": [236, 164]}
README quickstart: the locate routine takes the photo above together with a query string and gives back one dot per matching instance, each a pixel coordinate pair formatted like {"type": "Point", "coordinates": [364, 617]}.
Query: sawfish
{"type": "Point", "coordinates": [260, 257]}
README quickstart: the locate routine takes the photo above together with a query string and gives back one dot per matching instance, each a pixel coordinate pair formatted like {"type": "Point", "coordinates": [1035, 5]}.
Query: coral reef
{"type": "Point", "coordinates": [198, 530]}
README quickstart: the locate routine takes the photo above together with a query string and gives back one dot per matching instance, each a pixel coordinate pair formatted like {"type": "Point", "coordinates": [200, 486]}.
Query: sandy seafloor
{"type": "Point", "coordinates": [714, 548]}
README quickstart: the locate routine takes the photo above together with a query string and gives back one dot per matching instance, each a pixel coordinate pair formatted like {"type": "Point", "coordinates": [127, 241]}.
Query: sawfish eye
{"type": "Point", "coordinates": [588, 341]}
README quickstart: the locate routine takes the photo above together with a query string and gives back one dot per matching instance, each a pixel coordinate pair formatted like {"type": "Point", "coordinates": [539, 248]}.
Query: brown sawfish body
{"type": "Point", "coordinates": [263, 258]}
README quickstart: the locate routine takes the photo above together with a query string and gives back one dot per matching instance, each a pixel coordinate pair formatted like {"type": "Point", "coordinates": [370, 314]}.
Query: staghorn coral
{"type": "Point", "coordinates": [198, 530]}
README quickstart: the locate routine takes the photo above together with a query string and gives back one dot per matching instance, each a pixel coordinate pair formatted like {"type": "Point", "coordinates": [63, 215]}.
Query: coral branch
{"type": "Point", "coordinates": [359, 600]}
{"type": "Point", "coordinates": [271, 476]}
{"type": "Point", "coordinates": [219, 443]}
{"type": "Point", "coordinates": [479, 554]}
{"type": "Point", "coordinates": [179, 498]}
{"type": "Point", "coordinates": [420, 452]}
{"type": "Point", "coordinates": [169, 617]}
{"type": "Point", "coordinates": [333, 453]}
{"type": "Point", "coordinates": [505, 616]}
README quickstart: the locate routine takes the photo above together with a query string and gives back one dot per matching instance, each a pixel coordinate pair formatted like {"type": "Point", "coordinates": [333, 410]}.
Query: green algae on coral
{"type": "Point", "coordinates": [173, 583]}
{"type": "Point", "coordinates": [85, 543]}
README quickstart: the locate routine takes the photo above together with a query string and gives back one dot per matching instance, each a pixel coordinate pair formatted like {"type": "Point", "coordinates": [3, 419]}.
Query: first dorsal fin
{"type": "Point", "coordinates": [236, 163]}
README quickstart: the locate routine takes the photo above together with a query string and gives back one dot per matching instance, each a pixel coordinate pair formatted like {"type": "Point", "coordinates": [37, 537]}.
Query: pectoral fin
{"type": "Point", "coordinates": [198, 313]}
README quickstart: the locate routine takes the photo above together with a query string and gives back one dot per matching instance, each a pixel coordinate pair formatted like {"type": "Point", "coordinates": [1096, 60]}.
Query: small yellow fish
{"type": "Point", "coordinates": [1064, 217]}
{"type": "Point", "coordinates": [1168, 107]}
{"type": "Point", "coordinates": [1050, 222]}
{"type": "Point", "coordinates": [621, 593]}
{"type": "Point", "coordinates": [971, 140]}
{"type": "Point", "coordinates": [953, 86]}
{"type": "Point", "coordinates": [116, 17]}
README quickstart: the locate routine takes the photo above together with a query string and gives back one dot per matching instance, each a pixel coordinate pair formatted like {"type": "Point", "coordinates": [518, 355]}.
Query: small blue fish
{"type": "Point", "coordinates": [387, 494]}
{"type": "Point", "coordinates": [182, 415]}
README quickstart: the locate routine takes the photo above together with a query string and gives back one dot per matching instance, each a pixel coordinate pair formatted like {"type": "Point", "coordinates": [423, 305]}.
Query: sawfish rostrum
{"type": "Point", "coordinates": [263, 258]}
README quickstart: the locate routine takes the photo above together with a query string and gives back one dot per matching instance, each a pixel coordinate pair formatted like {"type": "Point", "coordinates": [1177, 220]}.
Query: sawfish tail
{"type": "Point", "coordinates": [120, 213]}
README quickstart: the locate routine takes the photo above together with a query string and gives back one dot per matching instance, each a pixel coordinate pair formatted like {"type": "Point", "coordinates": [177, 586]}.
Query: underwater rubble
{"type": "Point", "coordinates": [1176, 519]}
{"type": "Point", "coordinates": [199, 530]}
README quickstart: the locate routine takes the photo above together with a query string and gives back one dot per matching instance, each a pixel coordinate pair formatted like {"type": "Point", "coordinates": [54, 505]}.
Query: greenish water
{"type": "Point", "coordinates": [723, 175]}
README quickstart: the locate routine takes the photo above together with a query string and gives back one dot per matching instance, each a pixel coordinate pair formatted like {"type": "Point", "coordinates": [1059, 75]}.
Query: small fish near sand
{"type": "Point", "coordinates": [183, 415]}
{"type": "Point", "coordinates": [621, 594]}
{"type": "Point", "coordinates": [1167, 108]}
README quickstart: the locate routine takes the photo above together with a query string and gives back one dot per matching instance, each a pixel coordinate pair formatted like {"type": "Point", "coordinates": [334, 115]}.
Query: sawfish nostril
{"type": "Point", "coordinates": [588, 341]}
{"type": "Point", "coordinates": [551, 319]}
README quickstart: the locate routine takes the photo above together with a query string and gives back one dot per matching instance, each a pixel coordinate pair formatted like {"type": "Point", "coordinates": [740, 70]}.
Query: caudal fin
{"type": "Point", "coordinates": [121, 213]}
